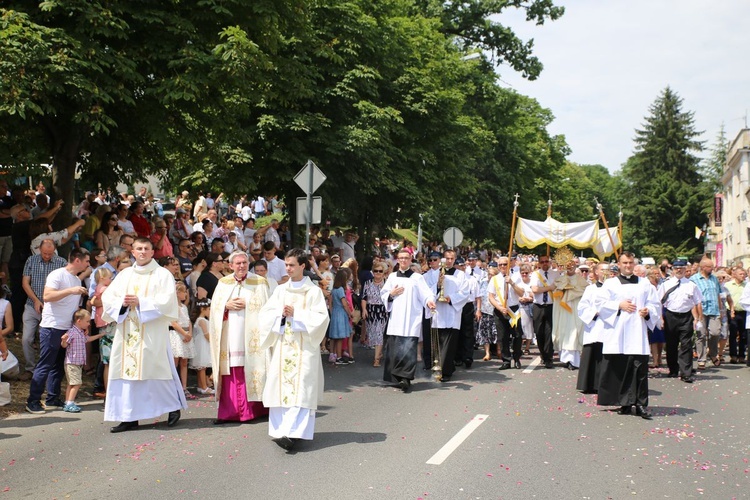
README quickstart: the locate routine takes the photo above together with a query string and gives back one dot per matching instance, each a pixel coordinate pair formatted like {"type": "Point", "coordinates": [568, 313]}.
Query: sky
{"type": "Point", "coordinates": [606, 62]}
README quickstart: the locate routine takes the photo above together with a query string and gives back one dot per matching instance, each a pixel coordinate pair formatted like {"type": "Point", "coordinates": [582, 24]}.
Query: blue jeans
{"type": "Point", "coordinates": [51, 366]}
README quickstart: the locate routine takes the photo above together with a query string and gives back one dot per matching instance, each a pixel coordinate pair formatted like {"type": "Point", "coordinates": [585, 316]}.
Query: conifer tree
{"type": "Point", "coordinates": [667, 194]}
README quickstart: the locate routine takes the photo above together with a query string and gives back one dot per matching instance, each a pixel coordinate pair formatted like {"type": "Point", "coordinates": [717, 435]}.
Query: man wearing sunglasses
{"type": "Point", "coordinates": [543, 284]}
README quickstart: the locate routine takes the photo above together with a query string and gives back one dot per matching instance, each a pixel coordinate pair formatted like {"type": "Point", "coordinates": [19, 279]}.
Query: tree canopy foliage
{"type": "Point", "coordinates": [238, 95]}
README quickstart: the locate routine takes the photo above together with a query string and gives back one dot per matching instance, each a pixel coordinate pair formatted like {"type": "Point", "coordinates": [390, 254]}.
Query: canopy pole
{"type": "Point", "coordinates": [609, 235]}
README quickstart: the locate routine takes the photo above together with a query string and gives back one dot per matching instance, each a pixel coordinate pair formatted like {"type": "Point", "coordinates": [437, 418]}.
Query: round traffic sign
{"type": "Point", "coordinates": [453, 237]}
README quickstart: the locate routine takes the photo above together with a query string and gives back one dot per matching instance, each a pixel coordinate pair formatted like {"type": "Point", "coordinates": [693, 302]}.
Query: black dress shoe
{"type": "Point", "coordinates": [624, 410]}
{"type": "Point", "coordinates": [285, 442]}
{"type": "Point", "coordinates": [124, 426]}
{"type": "Point", "coordinates": [468, 363]}
{"type": "Point", "coordinates": [173, 418]}
{"type": "Point", "coordinates": [673, 375]}
{"type": "Point", "coordinates": [517, 364]}
{"type": "Point", "coordinates": [549, 364]}
{"type": "Point", "coordinates": [642, 412]}
{"type": "Point", "coordinates": [570, 366]}
{"type": "Point", "coordinates": [404, 384]}
{"type": "Point", "coordinates": [504, 366]}
{"type": "Point", "coordinates": [687, 380]}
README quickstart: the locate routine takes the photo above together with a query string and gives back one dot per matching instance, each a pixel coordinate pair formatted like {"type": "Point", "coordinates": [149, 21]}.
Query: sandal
{"type": "Point", "coordinates": [701, 365]}
{"type": "Point", "coordinates": [716, 361]}
{"type": "Point", "coordinates": [376, 364]}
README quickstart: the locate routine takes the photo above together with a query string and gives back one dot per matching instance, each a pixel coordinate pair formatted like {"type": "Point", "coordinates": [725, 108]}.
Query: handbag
{"type": "Point", "coordinates": [356, 317]}
{"type": "Point", "coordinates": [9, 367]}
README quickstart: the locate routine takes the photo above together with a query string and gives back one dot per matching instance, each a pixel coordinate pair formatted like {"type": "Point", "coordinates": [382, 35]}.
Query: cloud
{"type": "Point", "coordinates": [607, 61]}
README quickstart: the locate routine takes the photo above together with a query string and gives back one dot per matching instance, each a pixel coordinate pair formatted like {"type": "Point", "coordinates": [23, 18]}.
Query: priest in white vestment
{"type": "Point", "coordinates": [406, 297]}
{"type": "Point", "coordinates": [633, 308]}
{"type": "Point", "coordinates": [293, 324]}
{"type": "Point", "coordinates": [567, 327]}
{"type": "Point", "coordinates": [239, 363]}
{"type": "Point", "coordinates": [143, 380]}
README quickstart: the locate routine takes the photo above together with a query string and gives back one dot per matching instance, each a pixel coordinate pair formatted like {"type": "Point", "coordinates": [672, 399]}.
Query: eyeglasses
{"type": "Point", "coordinates": [505, 264]}
{"type": "Point", "coordinates": [543, 261]}
{"type": "Point", "coordinates": [434, 260]}
{"type": "Point", "coordinates": [584, 270]}
{"type": "Point", "coordinates": [377, 272]}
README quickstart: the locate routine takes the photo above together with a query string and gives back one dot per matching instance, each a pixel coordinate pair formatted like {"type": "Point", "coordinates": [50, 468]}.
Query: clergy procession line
{"type": "Point", "coordinates": [255, 320]}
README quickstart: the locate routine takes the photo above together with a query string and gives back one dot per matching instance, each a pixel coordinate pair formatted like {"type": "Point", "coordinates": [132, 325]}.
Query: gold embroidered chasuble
{"type": "Point", "coordinates": [295, 373]}
{"type": "Point", "coordinates": [255, 290]}
{"type": "Point", "coordinates": [567, 327]}
{"type": "Point", "coordinates": [139, 348]}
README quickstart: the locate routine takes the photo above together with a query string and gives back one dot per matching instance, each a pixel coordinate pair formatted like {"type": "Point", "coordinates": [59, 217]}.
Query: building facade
{"type": "Point", "coordinates": [733, 229]}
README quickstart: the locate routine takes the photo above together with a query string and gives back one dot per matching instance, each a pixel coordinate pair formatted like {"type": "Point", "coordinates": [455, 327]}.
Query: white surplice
{"type": "Point", "coordinates": [592, 305]}
{"type": "Point", "coordinates": [406, 309]}
{"type": "Point", "coordinates": [456, 287]}
{"type": "Point", "coordinates": [629, 334]}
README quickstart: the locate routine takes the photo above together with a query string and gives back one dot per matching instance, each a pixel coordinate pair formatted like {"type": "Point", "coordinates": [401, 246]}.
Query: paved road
{"type": "Point", "coordinates": [535, 438]}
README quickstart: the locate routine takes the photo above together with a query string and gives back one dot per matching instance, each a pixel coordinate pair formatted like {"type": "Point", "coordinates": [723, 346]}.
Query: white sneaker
{"type": "Point", "coordinates": [205, 391]}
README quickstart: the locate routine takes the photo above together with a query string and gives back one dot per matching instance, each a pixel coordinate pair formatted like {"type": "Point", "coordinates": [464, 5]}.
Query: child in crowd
{"type": "Point", "coordinates": [103, 278]}
{"type": "Point", "coordinates": [341, 314]}
{"type": "Point", "coordinates": [351, 284]}
{"type": "Point", "coordinates": [75, 341]}
{"type": "Point", "coordinates": [201, 339]}
{"type": "Point", "coordinates": [181, 336]}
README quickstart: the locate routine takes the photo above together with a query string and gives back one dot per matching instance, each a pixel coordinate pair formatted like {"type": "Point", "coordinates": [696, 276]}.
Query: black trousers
{"type": "Point", "coordinates": [427, 357]}
{"type": "Point", "coordinates": [18, 296]}
{"type": "Point", "coordinates": [509, 337]}
{"type": "Point", "coordinates": [737, 334]}
{"type": "Point", "coordinates": [623, 380]}
{"type": "Point", "coordinates": [448, 344]}
{"type": "Point", "coordinates": [543, 330]}
{"type": "Point", "coordinates": [678, 331]}
{"type": "Point", "coordinates": [399, 358]}
{"type": "Point", "coordinates": [465, 350]}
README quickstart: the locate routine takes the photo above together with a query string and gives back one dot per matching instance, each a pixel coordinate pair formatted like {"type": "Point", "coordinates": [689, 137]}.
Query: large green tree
{"type": "Point", "coordinates": [667, 194]}
{"type": "Point", "coordinates": [238, 95]}
{"type": "Point", "coordinates": [115, 89]}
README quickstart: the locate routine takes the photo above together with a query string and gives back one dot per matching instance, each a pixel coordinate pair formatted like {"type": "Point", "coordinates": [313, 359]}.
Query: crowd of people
{"type": "Point", "coordinates": [146, 296]}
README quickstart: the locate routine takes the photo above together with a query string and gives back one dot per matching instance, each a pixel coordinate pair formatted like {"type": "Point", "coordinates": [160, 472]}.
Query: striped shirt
{"type": "Point", "coordinates": [38, 270]}
{"type": "Point", "coordinates": [710, 289]}
{"type": "Point", "coordinates": [75, 354]}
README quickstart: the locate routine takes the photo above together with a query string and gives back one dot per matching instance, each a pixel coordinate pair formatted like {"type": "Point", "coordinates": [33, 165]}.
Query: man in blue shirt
{"type": "Point", "coordinates": [708, 328]}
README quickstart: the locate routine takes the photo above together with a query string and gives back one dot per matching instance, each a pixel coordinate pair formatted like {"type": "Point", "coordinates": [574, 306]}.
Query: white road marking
{"type": "Point", "coordinates": [451, 446]}
{"type": "Point", "coordinates": [534, 363]}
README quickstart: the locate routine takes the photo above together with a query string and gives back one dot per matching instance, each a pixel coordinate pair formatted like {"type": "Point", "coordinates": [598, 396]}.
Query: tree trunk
{"type": "Point", "coordinates": [66, 143]}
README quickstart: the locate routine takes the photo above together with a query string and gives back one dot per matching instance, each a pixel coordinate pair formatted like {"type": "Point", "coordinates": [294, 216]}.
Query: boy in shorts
{"type": "Point", "coordinates": [75, 356]}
